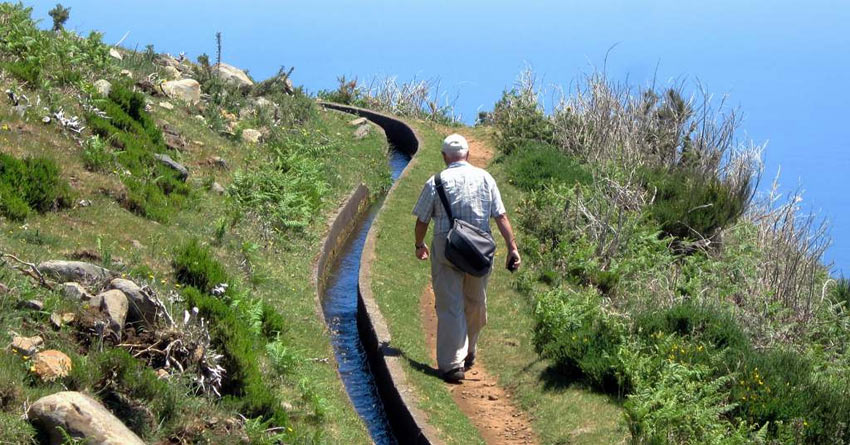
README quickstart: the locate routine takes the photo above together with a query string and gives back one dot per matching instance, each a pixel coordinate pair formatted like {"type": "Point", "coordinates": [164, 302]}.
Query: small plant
{"type": "Point", "coordinates": [60, 15]}
{"type": "Point", "coordinates": [194, 265]}
{"type": "Point", "coordinates": [96, 157]}
{"type": "Point", "coordinates": [534, 164]}
{"type": "Point", "coordinates": [31, 185]}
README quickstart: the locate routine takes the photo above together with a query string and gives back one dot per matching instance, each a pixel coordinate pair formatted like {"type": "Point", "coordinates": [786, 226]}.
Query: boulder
{"type": "Point", "coordinates": [165, 159]}
{"type": "Point", "coordinates": [251, 135]}
{"type": "Point", "coordinates": [35, 305]}
{"type": "Point", "coordinates": [187, 90]}
{"type": "Point", "coordinates": [51, 364]}
{"type": "Point", "coordinates": [81, 417]}
{"type": "Point", "coordinates": [73, 291]}
{"type": "Point", "coordinates": [77, 271]}
{"type": "Point", "coordinates": [115, 305]}
{"type": "Point", "coordinates": [103, 87]}
{"type": "Point", "coordinates": [358, 122]}
{"type": "Point", "coordinates": [171, 72]}
{"type": "Point", "coordinates": [362, 131]}
{"type": "Point", "coordinates": [231, 74]}
{"type": "Point", "coordinates": [166, 105]}
{"type": "Point", "coordinates": [26, 345]}
{"type": "Point", "coordinates": [142, 307]}
{"type": "Point", "coordinates": [114, 53]}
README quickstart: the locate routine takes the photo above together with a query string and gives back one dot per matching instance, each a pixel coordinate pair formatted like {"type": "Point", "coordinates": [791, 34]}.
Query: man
{"type": "Point", "coordinates": [461, 299]}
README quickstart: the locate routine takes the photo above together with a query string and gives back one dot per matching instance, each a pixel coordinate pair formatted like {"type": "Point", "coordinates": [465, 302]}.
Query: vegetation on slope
{"type": "Point", "coordinates": [658, 280]}
{"type": "Point", "coordinates": [95, 192]}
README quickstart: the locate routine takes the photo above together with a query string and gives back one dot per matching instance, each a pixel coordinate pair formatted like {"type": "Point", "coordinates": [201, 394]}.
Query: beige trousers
{"type": "Point", "coordinates": [461, 304]}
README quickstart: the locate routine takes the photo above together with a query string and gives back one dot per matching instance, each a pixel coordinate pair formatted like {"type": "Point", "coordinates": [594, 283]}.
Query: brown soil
{"type": "Point", "coordinates": [489, 406]}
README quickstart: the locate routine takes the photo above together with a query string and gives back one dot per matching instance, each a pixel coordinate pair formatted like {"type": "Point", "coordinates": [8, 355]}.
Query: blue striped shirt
{"type": "Point", "coordinates": [472, 193]}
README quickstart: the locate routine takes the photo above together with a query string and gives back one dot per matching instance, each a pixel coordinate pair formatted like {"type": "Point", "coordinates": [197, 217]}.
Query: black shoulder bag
{"type": "Point", "coordinates": [469, 248]}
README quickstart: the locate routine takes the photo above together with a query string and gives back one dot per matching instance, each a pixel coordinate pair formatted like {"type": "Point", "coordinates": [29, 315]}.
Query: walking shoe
{"type": "Point", "coordinates": [468, 362]}
{"type": "Point", "coordinates": [453, 376]}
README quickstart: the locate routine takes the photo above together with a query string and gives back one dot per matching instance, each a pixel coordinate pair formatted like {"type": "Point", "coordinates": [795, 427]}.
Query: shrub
{"type": "Point", "coordinates": [696, 322]}
{"type": "Point", "coordinates": [574, 331]}
{"type": "Point", "coordinates": [96, 157]}
{"type": "Point", "coordinates": [533, 164]}
{"type": "Point", "coordinates": [194, 265]}
{"type": "Point", "coordinates": [689, 205]}
{"type": "Point", "coordinates": [32, 184]}
{"type": "Point", "coordinates": [519, 118]}
{"type": "Point", "coordinates": [153, 189]}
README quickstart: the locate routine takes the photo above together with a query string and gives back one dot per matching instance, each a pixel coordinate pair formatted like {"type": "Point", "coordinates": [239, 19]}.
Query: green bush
{"type": "Point", "coordinates": [194, 265]}
{"type": "Point", "coordinates": [533, 164]}
{"type": "Point", "coordinates": [689, 205]}
{"type": "Point", "coordinates": [519, 119]}
{"type": "Point", "coordinates": [574, 331]}
{"type": "Point", "coordinates": [31, 184]}
{"type": "Point", "coordinates": [697, 322]}
{"type": "Point", "coordinates": [153, 189]}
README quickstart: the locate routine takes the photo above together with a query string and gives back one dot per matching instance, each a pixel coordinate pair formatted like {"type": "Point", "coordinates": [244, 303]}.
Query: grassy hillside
{"type": "Point", "coordinates": [250, 215]}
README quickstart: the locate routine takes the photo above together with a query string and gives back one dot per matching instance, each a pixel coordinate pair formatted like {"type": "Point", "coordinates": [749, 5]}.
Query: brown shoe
{"type": "Point", "coordinates": [453, 376]}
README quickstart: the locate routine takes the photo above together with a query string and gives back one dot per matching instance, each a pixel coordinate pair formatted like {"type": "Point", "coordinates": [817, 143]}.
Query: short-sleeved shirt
{"type": "Point", "coordinates": [472, 193]}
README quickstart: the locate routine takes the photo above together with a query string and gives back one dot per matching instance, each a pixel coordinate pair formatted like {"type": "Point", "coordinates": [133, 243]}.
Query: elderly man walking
{"type": "Point", "coordinates": [461, 298]}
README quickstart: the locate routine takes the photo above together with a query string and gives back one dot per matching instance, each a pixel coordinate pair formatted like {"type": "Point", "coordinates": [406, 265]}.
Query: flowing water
{"type": "Point", "coordinates": [340, 307]}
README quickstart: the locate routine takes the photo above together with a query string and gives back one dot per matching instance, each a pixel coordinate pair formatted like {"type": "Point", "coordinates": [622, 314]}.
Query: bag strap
{"type": "Point", "coordinates": [438, 184]}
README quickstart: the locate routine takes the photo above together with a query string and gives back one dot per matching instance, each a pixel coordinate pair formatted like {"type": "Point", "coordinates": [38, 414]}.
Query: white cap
{"type": "Point", "coordinates": [455, 144]}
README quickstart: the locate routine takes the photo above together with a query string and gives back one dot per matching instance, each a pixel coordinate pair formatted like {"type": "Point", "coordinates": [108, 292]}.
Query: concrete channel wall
{"type": "Point", "coordinates": [406, 420]}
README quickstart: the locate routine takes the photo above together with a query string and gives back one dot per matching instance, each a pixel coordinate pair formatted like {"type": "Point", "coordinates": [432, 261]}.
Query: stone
{"type": "Point", "coordinates": [51, 364]}
{"type": "Point", "coordinates": [173, 139]}
{"type": "Point", "coordinates": [362, 131]}
{"type": "Point", "coordinates": [165, 159]}
{"type": "Point", "coordinates": [251, 135]}
{"type": "Point", "coordinates": [217, 188]}
{"type": "Point", "coordinates": [58, 320]}
{"type": "Point", "coordinates": [103, 87]}
{"type": "Point", "coordinates": [219, 162]}
{"type": "Point", "coordinates": [81, 417]}
{"type": "Point", "coordinates": [231, 74]}
{"type": "Point", "coordinates": [162, 374]}
{"type": "Point", "coordinates": [26, 345]}
{"type": "Point", "coordinates": [73, 291]}
{"type": "Point", "coordinates": [136, 244]}
{"type": "Point", "coordinates": [76, 271]}
{"type": "Point", "coordinates": [115, 305]}
{"type": "Point", "coordinates": [358, 122]}
{"type": "Point", "coordinates": [114, 53]}
{"type": "Point", "coordinates": [262, 102]}
{"type": "Point", "coordinates": [166, 105]}
{"type": "Point", "coordinates": [187, 90]}
{"type": "Point", "coordinates": [126, 73]}
{"type": "Point", "coordinates": [201, 119]}
{"type": "Point", "coordinates": [35, 305]}
{"type": "Point", "coordinates": [171, 72]}
{"type": "Point", "coordinates": [142, 307]}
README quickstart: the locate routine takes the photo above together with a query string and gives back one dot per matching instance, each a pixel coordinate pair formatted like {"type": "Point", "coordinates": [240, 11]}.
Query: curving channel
{"type": "Point", "coordinates": [340, 307]}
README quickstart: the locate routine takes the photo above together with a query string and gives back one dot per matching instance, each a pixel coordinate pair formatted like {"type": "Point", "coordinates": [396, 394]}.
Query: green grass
{"type": "Point", "coordinates": [563, 411]}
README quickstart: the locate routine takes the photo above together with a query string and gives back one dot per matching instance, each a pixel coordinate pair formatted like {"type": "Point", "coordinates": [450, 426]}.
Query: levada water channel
{"type": "Point", "coordinates": [339, 304]}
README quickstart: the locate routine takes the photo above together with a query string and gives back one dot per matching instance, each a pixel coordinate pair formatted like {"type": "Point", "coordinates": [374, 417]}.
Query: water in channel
{"type": "Point", "coordinates": [340, 307]}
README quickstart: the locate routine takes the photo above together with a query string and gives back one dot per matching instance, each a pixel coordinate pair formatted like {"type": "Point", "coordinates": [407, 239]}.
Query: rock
{"type": "Point", "coordinates": [58, 320]}
{"type": "Point", "coordinates": [35, 305]}
{"type": "Point", "coordinates": [251, 135]}
{"type": "Point", "coordinates": [142, 307]}
{"type": "Point", "coordinates": [103, 87]}
{"type": "Point", "coordinates": [231, 74]}
{"type": "Point", "coordinates": [362, 131]}
{"type": "Point", "coordinates": [217, 188]}
{"type": "Point", "coordinates": [148, 87]}
{"type": "Point", "coordinates": [162, 374]}
{"type": "Point", "coordinates": [166, 60]}
{"type": "Point", "coordinates": [262, 102]}
{"type": "Point", "coordinates": [114, 53]}
{"type": "Point", "coordinates": [20, 110]}
{"type": "Point", "coordinates": [172, 137]}
{"type": "Point", "coordinates": [136, 244]}
{"type": "Point", "coordinates": [4, 290]}
{"type": "Point", "coordinates": [358, 122]}
{"type": "Point", "coordinates": [493, 397]}
{"type": "Point", "coordinates": [81, 417]}
{"type": "Point", "coordinates": [246, 113]}
{"type": "Point", "coordinates": [219, 162]}
{"type": "Point", "coordinates": [115, 305]}
{"type": "Point", "coordinates": [26, 345]}
{"type": "Point", "coordinates": [171, 72]}
{"type": "Point", "coordinates": [165, 159]}
{"type": "Point", "coordinates": [201, 119]}
{"type": "Point", "coordinates": [51, 364]}
{"type": "Point", "coordinates": [187, 90]}
{"type": "Point", "coordinates": [228, 116]}
{"type": "Point", "coordinates": [166, 105]}
{"type": "Point", "coordinates": [126, 73]}
{"type": "Point", "coordinates": [198, 143]}
{"type": "Point", "coordinates": [77, 271]}
{"type": "Point", "coordinates": [73, 291]}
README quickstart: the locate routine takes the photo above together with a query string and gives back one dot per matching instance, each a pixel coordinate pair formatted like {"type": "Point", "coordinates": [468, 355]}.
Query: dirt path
{"type": "Point", "coordinates": [487, 405]}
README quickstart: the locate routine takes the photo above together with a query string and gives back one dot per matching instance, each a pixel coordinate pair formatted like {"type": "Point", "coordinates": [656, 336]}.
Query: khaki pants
{"type": "Point", "coordinates": [461, 304]}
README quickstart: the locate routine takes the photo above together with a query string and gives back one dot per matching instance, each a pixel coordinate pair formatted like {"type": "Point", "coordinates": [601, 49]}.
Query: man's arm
{"type": "Point", "coordinates": [419, 232]}
{"type": "Point", "coordinates": [507, 232]}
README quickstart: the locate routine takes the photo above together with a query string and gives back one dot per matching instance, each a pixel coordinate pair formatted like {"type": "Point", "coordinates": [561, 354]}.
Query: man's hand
{"type": "Point", "coordinates": [422, 252]}
{"type": "Point", "coordinates": [513, 261]}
